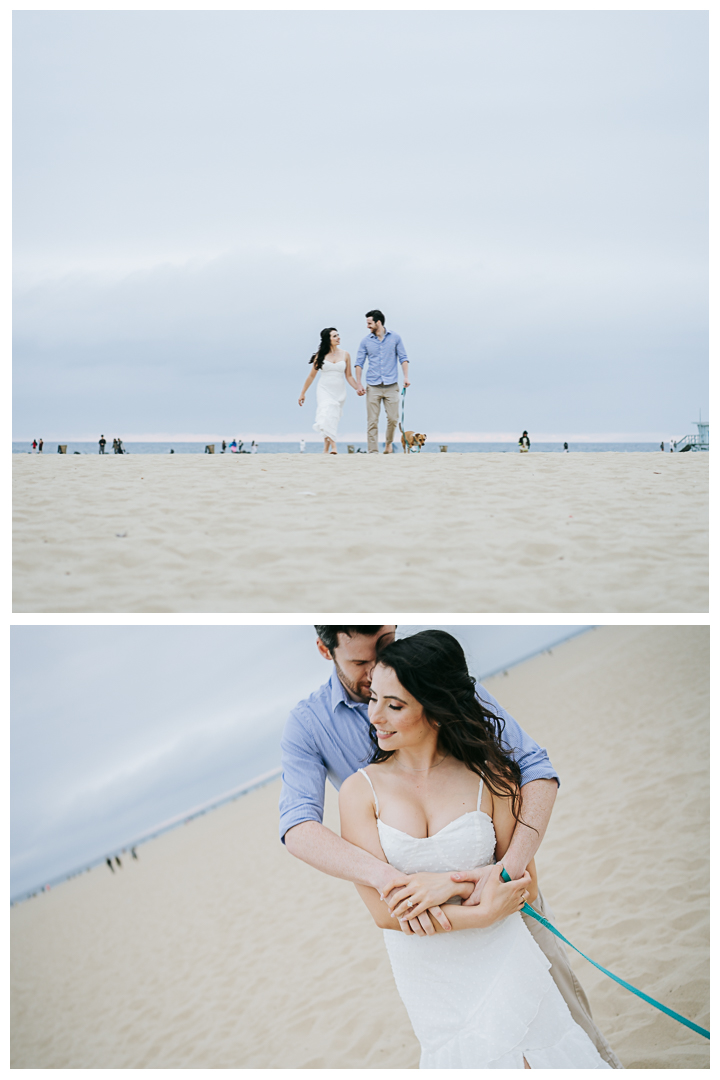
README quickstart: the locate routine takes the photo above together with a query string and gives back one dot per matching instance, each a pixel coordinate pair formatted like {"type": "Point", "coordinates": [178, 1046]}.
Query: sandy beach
{"type": "Point", "coordinates": [218, 950]}
{"type": "Point", "coordinates": [479, 532]}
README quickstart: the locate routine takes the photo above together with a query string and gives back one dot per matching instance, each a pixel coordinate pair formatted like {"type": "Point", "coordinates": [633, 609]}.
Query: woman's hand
{"type": "Point", "coordinates": [423, 892]}
{"type": "Point", "coordinates": [503, 898]}
{"type": "Point", "coordinates": [301, 399]}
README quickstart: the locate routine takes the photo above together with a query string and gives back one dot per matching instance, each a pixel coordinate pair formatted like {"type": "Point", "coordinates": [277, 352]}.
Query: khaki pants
{"type": "Point", "coordinates": [566, 981]}
{"type": "Point", "coordinates": [390, 394]}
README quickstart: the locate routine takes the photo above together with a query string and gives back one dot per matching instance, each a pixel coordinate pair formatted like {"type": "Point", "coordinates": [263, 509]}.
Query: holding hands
{"type": "Point", "coordinates": [426, 892]}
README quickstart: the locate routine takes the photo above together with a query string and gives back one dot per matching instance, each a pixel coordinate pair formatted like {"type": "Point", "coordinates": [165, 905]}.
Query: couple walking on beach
{"type": "Point", "coordinates": [384, 351]}
{"type": "Point", "coordinates": [453, 791]}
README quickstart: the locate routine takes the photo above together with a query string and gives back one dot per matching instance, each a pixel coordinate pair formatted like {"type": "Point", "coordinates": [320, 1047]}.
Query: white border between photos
{"type": "Point", "coordinates": [285, 618]}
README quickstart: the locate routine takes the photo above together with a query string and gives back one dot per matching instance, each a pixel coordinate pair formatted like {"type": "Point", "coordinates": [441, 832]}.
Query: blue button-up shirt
{"type": "Point", "coordinates": [383, 357]}
{"type": "Point", "coordinates": [328, 736]}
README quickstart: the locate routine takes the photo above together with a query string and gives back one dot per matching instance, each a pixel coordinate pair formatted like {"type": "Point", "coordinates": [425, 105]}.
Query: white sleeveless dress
{"type": "Point", "coordinates": [331, 394]}
{"type": "Point", "coordinates": [478, 998]}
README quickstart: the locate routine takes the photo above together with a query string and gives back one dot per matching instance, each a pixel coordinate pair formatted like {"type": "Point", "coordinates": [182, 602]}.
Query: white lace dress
{"type": "Point", "coordinates": [331, 394]}
{"type": "Point", "coordinates": [479, 998]}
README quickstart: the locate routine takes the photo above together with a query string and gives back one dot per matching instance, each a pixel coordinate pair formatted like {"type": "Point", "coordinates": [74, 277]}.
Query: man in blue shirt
{"type": "Point", "coordinates": [383, 349]}
{"type": "Point", "coordinates": [327, 737]}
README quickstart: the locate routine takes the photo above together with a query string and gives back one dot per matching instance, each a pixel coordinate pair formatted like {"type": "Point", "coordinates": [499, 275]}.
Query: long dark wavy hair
{"type": "Point", "coordinates": [432, 667]}
{"type": "Point", "coordinates": [324, 347]}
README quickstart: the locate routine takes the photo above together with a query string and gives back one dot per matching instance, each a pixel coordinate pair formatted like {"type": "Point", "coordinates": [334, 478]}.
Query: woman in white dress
{"type": "Point", "coordinates": [333, 363]}
{"type": "Point", "coordinates": [442, 794]}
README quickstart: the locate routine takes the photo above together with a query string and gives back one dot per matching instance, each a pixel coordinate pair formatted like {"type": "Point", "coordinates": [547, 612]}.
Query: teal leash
{"type": "Point", "coordinates": [527, 910]}
{"type": "Point", "coordinates": [416, 449]}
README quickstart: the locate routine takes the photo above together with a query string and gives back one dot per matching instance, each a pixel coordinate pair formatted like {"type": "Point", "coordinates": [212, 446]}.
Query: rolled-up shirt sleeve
{"type": "Point", "coordinates": [400, 351]}
{"type": "Point", "coordinates": [361, 355]}
{"type": "Point", "coordinates": [302, 797]}
{"type": "Point", "coordinates": [533, 759]}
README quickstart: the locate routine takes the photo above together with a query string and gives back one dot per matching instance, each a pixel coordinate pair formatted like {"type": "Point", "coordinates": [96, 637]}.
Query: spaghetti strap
{"type": "Point", "coordinates": [377, 808]}
{"type": "Point", "coordinates": [480, 792]}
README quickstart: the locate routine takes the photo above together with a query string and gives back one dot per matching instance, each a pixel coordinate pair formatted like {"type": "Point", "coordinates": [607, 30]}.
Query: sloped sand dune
{"type": "Point", "coordinates": [419, 533]}
{"type": "Point", "coordinates": [217, 949]}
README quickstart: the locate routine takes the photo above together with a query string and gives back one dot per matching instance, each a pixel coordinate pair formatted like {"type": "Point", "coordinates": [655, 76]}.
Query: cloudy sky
{"type": "Point", "coordinates": [196, 194]}
{"type": "Point", "coordinates": [115, 729]}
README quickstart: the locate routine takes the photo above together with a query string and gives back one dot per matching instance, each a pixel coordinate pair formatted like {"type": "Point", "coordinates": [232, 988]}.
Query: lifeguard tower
{"type": "Point", "coordinates": [701, 441]}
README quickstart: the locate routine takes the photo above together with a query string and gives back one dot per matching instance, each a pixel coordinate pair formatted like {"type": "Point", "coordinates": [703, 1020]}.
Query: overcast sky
{"type": "Point", "coordinates": [198, 193]}
{"type": "Point", "coordinates": [115, 729]}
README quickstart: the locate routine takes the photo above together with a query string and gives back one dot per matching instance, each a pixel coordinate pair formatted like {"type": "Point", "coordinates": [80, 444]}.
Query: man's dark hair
{"type": "Point", "coordinates": [376, 315]}
{"type": "Point", "coordinates": [329, 634]}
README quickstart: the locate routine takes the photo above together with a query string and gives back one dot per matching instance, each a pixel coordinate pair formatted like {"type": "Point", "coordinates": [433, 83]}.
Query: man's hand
{"type": "Point", "coordinates": [388, 880]}
{"type": "Point", "coordinates": [423, 892]}
{"type": "Point", "coordinates": [478, 878]}
{"type": "Point", "coordinates": [423, 925]}
{"type": "Point", "coordinates": [361, 391]}
{"type": "Point", "coordinates": [406, 383]}
{"type": "Point", "coordinates": [501, 898]}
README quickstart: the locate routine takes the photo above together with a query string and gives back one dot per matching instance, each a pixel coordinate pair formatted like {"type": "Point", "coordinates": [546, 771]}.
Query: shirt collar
{"type": "Point", "coordinates": [386, 334]}
{"type": "Point", "coordinates": [338, 693]}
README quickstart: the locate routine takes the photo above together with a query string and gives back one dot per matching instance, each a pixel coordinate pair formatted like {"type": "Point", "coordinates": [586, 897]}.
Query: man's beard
{"type": "Point", "coordinates": [353, 688]}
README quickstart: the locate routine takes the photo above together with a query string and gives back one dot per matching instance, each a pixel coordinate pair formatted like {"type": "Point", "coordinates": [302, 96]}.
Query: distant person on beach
{"type": "Point", "coordinates": [34, 445]}
{"type": "Point", "coordinates": [328, 736]}
{"type": "Point", "coordinates": [101, 443]}
{"type": "Point", "coordinates": [383, 350]}
{"type": "Point", "coordinates": [566, 448]}
{"type": "Point", "coordinates": [333, 363]}
{"type": "Point", "coordinates": [524, 442]}
{"type": "Point", "coordinates": [253, 447]}
{"type": "Point", "coordinates": [223, 447]}
{"type": "Point", "coordinates": [662, 447]}
{"type": "Point", "coordinates": [40, 446]}
{"type": "Point", "coordinates": [302, 446]}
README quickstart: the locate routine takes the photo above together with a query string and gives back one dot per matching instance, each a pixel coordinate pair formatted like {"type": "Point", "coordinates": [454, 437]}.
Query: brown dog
{"type": "Point", "coordinates": [410, 438]}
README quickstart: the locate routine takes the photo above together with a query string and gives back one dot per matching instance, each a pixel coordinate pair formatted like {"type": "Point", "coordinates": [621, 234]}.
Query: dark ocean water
{"type": "Point", "coordinates": [317, 447]}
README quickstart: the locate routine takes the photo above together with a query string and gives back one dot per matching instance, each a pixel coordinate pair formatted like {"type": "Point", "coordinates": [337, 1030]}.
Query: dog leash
{"type": "Point", "coordinates": [412, 449]}
{"type": "Point", "coordinates": [527, 910]}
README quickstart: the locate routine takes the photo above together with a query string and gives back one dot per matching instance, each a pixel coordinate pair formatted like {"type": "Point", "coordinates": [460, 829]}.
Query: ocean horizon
{"type": "Point", "coordinates": [315, 446]}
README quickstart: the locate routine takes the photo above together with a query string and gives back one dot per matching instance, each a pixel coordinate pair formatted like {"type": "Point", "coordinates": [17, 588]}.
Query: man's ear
{"type": "Point", "coordinates": [323, 650]}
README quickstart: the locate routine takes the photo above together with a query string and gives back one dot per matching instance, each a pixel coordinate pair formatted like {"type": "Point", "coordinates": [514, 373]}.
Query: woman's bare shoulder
{"type": "Point", "coordinates": [355, 785]}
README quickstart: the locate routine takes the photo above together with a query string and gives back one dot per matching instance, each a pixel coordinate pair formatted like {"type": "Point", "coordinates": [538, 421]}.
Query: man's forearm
{"type": "Point", "coordinates": [358, 374]}
{"type": "Point", "coordinates": [538, 800]}
{"type": "Point", "coordinates": [317, 845]}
